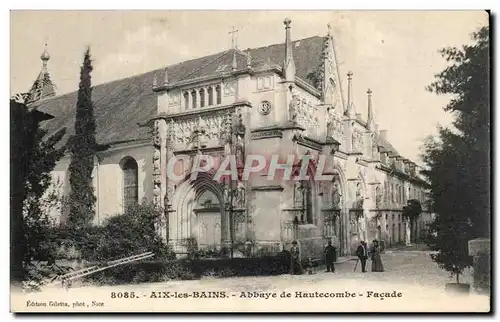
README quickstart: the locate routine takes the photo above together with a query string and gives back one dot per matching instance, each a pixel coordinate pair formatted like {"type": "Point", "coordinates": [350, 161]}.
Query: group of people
{"type": "Point", "coordinates": [374, 253]}
{"type": "Point", "coordinates": [292, 262]}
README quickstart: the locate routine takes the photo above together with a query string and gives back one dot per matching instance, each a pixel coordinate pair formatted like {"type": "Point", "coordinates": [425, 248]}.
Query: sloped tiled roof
{"type": "Point", "coordinates": [121, 104]}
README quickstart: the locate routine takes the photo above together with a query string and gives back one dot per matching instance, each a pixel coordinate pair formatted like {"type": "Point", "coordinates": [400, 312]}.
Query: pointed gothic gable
{"type": "Point", "coordinates": [329, 82]}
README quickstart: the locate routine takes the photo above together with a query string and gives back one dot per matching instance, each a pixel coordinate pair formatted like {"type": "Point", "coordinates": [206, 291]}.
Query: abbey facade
{"type": "Point", "coordinates": [276, 100]}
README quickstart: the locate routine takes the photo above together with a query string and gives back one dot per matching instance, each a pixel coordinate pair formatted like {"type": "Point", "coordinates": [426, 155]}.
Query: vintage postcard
{"type": "Point", "coordinates": [250, 161]}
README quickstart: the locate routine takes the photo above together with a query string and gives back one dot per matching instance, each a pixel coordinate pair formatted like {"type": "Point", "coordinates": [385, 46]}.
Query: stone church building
{"type": "Point", "coordinates": [275, 100]}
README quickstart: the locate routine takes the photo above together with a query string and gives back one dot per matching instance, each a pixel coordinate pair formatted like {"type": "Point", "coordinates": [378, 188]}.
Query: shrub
{"type": "Point", "coordinates": [131, 233]}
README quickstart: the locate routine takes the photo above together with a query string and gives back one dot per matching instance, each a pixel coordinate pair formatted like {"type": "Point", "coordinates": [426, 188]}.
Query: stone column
{"type": "Point", "coordinates": [480, 250]}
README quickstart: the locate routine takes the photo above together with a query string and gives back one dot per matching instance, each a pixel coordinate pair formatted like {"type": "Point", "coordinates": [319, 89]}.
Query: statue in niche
{"type": "Point", "coordinates": [336, 195]}
{"type": "Point", "coordinates": [226, 193]}
{"type": "Point", "coordinates": [294, 107]}
{"type": "Point", "coordinates": [359, 196]}
{"type": "Point", "coordinates": [240, 196]}
{"type": "Point", "coordinates": [374, 149]}
{"type": "Point", "coordinates": [239, 151]}
{"type": "Point", "coordinates": [299, 194]}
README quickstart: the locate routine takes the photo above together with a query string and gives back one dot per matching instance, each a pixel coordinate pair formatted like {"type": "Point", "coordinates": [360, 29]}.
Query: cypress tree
{"type": "Point", "coordinates": [83, 151]}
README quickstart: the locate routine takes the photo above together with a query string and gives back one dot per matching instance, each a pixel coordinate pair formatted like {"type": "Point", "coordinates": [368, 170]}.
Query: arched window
{"type": "Point", "coordinates": [202, 97]}
{"type": "Point", "coordinates": [130, 183]}
{"type": "Point", "coordinates": [210, 96]}
{"type": "Point", "coordinates": [219, 94]}
{"type": "Point", "coordinates": [186, 100]}
{"type": "Point", "coordinates": [193, 99]}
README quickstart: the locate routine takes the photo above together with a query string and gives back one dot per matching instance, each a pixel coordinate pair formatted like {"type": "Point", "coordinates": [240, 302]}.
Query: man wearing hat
{"type": "Point", "coordinates": [295, 267]}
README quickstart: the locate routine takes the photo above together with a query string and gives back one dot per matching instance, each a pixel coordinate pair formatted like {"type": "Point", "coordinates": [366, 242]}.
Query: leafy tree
{"type": "Point", "coordinates": [83, 147]}
{"type": "Point", "coordinates": [458, 159]}
{"type": "Point", "coordinates": [32, 157]}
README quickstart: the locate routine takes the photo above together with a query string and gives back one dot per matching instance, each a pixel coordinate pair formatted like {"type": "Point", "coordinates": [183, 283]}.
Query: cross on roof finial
{"type": "Point", "coordinates": [234, 37]}
{"type": "Point", "coordinates": [329, 26]}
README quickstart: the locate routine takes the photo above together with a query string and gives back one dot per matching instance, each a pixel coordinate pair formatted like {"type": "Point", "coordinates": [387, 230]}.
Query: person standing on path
{"type": "Point", "coordinates": [295, 265]}
{"type": "Point", "coordinates": [330, 257]}
{"type": "Point", "coordinates": [377, 265]}
{"type": "Point", "coordinates": [362, 254]}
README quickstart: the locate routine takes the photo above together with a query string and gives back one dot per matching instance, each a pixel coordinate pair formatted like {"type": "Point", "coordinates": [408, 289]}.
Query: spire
{"type": "Point", "coordinates": [288, 64]}
{"type": "Point", "coordinates": [42, 87]}
{"type": "Point", "coordinates": [329, 26]}
{"type": "Point", "coordinates": [371, 120]}
{"type": "Point", "coordinates": [350, 106]}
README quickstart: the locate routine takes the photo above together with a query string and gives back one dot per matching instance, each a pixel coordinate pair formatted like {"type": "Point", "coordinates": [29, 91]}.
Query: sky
{"type": "Point", "coordinates": [394, 53]}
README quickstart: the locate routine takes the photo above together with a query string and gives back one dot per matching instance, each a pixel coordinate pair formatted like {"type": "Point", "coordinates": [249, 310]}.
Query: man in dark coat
{"type": "Point", "coordinates": [362, 254]}
{"type": "Point", "coordinates": [330, 257]}
{"type": "Point", "coordinates": [285, 259]}
{"type": "Point", "coordinates": [296, 266]}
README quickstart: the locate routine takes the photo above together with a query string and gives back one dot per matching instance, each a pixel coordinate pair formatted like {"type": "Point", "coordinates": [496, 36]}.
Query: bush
{"type": "Point", "coordinates": [131, 233]}
{"type": "Point", "coordinates": [187, 269]}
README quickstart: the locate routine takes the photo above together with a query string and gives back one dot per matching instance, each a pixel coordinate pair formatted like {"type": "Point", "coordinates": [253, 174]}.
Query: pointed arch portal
{"type": "Point", "coordinates": [199, 214]}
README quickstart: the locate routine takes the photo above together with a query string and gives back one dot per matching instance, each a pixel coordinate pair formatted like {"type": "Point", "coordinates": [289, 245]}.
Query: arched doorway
{"type": "Point", "coordinates": [199, 216]}
{"type": "Point", "coordinates": [207, 225]}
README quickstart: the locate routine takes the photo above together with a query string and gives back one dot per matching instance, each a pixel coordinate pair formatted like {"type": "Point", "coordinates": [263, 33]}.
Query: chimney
{"type": "Point", "coordinates": [383, 135]}
{"type": "Point", "coordinates": [288, 64]}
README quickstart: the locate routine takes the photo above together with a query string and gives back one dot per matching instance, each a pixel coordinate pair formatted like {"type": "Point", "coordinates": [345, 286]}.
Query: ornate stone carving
{"type": "Point", "coordinates": [336, 195]}
{"type": "Point", "coordinates": [378, 196]}
{"type": "Point", "coordinates": [264, 108]}
{"type": "Point", "coordinates": [239, 217]}
{"type": "Point", "coordinates": [305, 112]}
{"type": "Point", "coordinates": [266, 134]}
{"type": "Point", "coordinates": [181, 131]}
{"type": "Point", "coordinates": [230, 88]}
{"type": "Point", "coordinates": [374, 148]}
{"type": "Point", "coordinates": [293, 108]}
{"type": "Point", "coordinates": [298, 195]}
{"type": "Point", "coordinates": [226, 193]}
{"type": "Point", "coordinates": [357, 140]}
{"type": "Point", "coordinates": [174, 98]}
{"type": "Point", "coordinates": [359, 196]}
{"type": "Point", "coordinates": [240, 196]}
{"type": "Point", "coordinates": [170, 135]}
{"type": "Point", "coordinates": [228, 128]}
{"type": "Point", "coordinates": [335, 127]}
{"type": "Point", "coordinates": [156, 163]}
